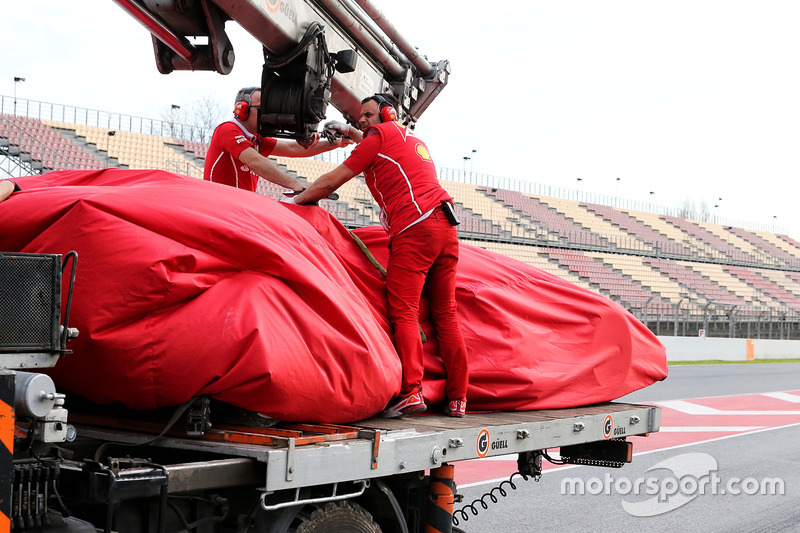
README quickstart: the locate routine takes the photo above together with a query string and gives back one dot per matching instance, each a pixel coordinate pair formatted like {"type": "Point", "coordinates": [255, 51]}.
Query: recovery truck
{"type": "Point", "coordinates": [206, 466]}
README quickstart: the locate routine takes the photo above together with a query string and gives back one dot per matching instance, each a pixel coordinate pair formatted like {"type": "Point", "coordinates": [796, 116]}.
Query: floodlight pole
{"type": "Point", "coordinates": [17, 79]}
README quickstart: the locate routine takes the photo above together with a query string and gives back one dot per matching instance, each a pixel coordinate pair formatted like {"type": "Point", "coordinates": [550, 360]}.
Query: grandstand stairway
{"type": "Point", "coordinates": [11, 164]}
{"type": "Point", "coordinates": [697, 249]}
{"type": "Point", "coordinates": [184, 162]}
{"type": "Point", "coordinates": [702, 285]}
{"type": "Point", "coordinates": [609, 281]}
{"type": "Point", "coordinates": [568, 232]}
{"type": "Point", "coordinates": [193, 167]}
{"type": "Point", "coordinates": [634, 268]}
{"type": "Point", "coordinates": [32, 146]}
{"type": "Point", "coordinates": [483, 217]}
{"type": "Point", "coordinates": [790, 241]}
{"type": "Point", "coordinates": [475, 227]}
{"type": "Point", "coordinates": [592, 222]}
{"type": "Point", "coordinates": [765, 286]}
{"type": "Point", "coordinates": [82, 144]}
{"type": "Point", "coordinates": [14, 159]}
{"type": "Point", "coordinates": [705, 236]}
{"type": "Point", "coordinates": [659, 242]}
{"type": "Point", "coordinates": [766, 247]}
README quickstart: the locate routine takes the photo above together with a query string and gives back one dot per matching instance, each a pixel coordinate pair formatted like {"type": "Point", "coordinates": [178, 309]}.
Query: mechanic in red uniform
{"type": "Point", "coordinates": [423, 252]}
{"type": "Point", "coordinates": [237, 155]}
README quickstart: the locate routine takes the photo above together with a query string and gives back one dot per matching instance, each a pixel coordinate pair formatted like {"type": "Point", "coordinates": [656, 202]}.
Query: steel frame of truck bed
{"type": "Point", "coordinates": [380, 447]}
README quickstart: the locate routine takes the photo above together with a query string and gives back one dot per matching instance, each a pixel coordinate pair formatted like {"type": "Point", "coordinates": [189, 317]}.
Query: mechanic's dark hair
{"type": "Point", "coordinates": [244, 94]}
{"type": "Point", "coordinates": [386, 109]}
{"type": "Point", "coordinates": [379, 98]}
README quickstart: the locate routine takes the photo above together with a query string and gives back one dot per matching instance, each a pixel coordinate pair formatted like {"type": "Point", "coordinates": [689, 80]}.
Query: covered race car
{"type": "Point", "coordinates": [188, 288]}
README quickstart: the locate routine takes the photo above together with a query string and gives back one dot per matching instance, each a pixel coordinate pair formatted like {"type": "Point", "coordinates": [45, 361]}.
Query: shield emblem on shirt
{"type": "Point", "coordinates": [422, 152]}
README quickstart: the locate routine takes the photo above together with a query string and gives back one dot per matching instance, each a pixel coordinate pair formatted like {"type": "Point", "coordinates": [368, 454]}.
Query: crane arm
{"type": "Point", "coordinates": [316, 53]}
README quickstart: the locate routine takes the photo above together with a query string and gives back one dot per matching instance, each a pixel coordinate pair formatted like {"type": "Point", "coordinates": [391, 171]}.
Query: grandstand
{"type": "Point", "coordinates": [677, 275]}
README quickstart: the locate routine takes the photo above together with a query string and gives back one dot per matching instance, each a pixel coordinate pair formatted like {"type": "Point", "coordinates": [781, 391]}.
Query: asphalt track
{"type": "Point", "coordinates": [727, 458]}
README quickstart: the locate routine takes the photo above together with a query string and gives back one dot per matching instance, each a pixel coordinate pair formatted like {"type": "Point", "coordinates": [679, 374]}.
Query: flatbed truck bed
{"type": "Point", "coordinates": [209, 467]}
{"type": "Point", "coordinates": [300, 455]}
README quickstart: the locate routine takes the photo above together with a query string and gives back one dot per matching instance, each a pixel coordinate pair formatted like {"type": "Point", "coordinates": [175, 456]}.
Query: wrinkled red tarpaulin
{"type": "Point", "coordinates": [186, 287]}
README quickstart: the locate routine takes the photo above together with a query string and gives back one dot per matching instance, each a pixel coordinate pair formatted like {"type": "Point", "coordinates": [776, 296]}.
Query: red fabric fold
{"type": "Point", "coordinates": [186, 287]}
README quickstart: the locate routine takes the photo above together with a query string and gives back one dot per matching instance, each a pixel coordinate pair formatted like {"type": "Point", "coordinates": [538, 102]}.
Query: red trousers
{"type": "Point", "coordinates": [425, 257]}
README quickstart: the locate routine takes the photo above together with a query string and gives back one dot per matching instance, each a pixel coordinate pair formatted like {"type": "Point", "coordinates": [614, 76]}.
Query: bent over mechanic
{"type": "Point", "coordinates": [423, 250]}
{"type": "Point", "coordinates": [237, 154]}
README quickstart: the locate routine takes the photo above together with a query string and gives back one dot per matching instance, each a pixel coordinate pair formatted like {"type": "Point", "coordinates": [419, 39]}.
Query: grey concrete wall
{"type": "Point", "coordinates": [700, 348]}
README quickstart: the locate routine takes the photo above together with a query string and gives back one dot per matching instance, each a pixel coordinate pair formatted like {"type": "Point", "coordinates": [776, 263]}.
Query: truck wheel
{"type": "Point", "coordinates": [342, 517]}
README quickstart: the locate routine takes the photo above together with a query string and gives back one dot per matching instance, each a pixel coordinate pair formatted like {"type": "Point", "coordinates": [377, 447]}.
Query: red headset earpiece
{"type": "Point", "coordinates": [385, 109]}
{"type": "Point", "coordinates": [242, 110]}
{"type": "Point", "coordinates": [388, 114]}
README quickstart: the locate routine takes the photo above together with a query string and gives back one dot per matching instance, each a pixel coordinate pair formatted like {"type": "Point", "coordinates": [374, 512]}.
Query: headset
{"type": "Point", "coordinates": [242, 108]}
{"type": "Point", "coordinates": [385, 109]}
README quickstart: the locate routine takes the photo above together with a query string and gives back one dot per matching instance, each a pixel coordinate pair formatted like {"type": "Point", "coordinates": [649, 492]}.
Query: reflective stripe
{"type": "Point", "coordinates": [405, 177]}
{"type": "Point", "coordinates": [7, 422]}
{"type": "Point", "coordinates": [7, 426]}
{"type": "Point", "coordinates": [235, 168]}
{"type": "Point", "coordinates": [211, 174]}
{"type": "Point", "coordinates": [420, 219]}
{"type": "Point", "coordinates": [233, 164]}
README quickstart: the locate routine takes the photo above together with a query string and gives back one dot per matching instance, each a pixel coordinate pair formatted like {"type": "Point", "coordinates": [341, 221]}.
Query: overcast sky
{"type": "Point", "coordinates": [688, 99]}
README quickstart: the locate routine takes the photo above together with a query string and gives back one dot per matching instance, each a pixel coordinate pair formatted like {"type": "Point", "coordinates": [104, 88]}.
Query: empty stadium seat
{"type": "Point", "coordinates": [637, 259]}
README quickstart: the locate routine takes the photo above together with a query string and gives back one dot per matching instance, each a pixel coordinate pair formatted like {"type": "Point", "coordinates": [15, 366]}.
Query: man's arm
{"type": "Point", "coordinates": [355, 134]}
{"type": "Point", "coordinates": [345, 130]}
{"type": "Point", "coordinates": [325, 184]}
{"type": "Point", "coordinates": [290, 148]}
{"type": "Point", "coordinates": [6, 188]}
{"type": "Point", "coordinates": [268, 170]}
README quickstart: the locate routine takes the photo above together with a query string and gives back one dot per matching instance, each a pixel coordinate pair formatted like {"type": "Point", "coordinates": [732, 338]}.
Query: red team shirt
{"type": "Point", "coordinates": [229, 140]}
{"type": "Point", "coordinates": [400, 175]}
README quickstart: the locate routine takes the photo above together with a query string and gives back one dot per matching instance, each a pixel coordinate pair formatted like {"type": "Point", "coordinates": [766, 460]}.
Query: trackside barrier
{"type": "Point", "coordinates": [721, 321]}
{"type": "Point", "coordinates": [708, 348]}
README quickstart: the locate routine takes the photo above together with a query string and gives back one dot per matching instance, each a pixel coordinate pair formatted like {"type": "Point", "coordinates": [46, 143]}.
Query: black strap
{"type": "Point", "coordinates": [179, 411]}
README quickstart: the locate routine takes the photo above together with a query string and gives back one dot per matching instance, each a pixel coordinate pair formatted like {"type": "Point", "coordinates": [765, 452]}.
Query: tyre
{"type": "Point", "coordinates": [341, 517]}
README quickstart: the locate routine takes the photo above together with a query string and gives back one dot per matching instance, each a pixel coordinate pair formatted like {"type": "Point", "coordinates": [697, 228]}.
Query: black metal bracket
{"type": "Point", "coordinates": [612, 453]}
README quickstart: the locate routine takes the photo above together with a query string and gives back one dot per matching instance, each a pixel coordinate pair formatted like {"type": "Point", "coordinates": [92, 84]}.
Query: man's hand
{"type": "Point", "coordinates": [340, 142]}
{"type": "Point", "coordinates": [332, 196]}
{"type": "Point", "coordinates": [6, 188]}
{"type": "Point", "coordinates": [325, 185]}
{"type": "Point", "coordinates": [338, 127]}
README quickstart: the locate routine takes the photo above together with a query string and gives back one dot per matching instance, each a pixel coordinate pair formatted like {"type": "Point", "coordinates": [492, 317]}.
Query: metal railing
{"type": "Point", "coordinates": [538, 189]}
{"type": "Point", "coordinates": [687, 319]}
{"type": "Point", "coordinates": [101, 119]}
{"type": "Point", "coordinates": [183, 167]}
{"type": "Point", "coordinates": [119, 121]}
{"type": "Point", "coordinates": [490, 226]}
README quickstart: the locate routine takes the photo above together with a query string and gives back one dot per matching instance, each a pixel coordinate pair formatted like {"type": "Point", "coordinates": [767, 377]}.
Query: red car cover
{"type": "Point", "coordinates": [186, 287]}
